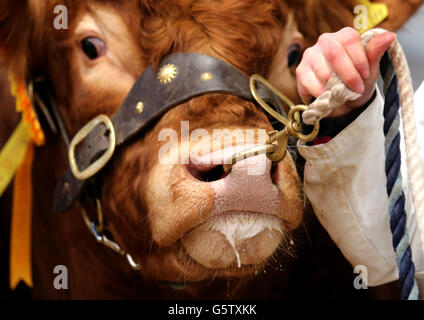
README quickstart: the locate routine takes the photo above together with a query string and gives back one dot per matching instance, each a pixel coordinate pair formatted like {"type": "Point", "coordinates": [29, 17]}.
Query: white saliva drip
{"type": "Point", "coordinates": [239, 227]}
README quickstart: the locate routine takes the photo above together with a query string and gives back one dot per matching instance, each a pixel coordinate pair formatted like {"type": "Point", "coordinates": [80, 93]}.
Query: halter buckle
{"type": "Point", "coordinates": [97, 165]}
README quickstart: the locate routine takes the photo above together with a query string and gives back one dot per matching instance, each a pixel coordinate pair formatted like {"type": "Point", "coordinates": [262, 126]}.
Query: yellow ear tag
{"type": "Point", "coordinates": [29, 130]}
{"type": "Point", "coordinates": [369, 15]}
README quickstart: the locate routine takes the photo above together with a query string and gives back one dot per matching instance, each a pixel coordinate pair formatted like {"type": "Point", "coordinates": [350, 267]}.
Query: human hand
{"type": "Point", "coordinates": [343, 53]}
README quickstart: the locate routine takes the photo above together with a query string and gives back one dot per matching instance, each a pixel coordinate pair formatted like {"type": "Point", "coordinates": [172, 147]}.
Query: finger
{"type": "Point", "coordinates": [342, 64]}
{"type": "Point", "coordinates": [376, 48]}
{"type": "Point", "coordinates": [308, 83]}
{"type": "Point", "coordinates": [321, 68]}
{"type": "Point", "coordinates": [351, 40]}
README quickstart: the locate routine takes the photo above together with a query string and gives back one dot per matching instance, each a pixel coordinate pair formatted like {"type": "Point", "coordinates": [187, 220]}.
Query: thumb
{"type": "Point", "coordinates": [376, 48]}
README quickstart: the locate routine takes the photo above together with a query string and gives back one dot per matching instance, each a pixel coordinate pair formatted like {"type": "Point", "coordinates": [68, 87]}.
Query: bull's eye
{"type": "Point", "coordinates": [93, 47]}
{"type": "Point", "coordinates": [294, 55]}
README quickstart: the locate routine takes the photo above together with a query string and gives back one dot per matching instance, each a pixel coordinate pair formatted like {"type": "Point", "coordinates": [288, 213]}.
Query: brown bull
{"type": "Point", "coordinates": [175, 220]}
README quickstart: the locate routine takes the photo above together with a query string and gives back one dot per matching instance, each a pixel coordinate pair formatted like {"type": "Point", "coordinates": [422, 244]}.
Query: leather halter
{"type": "Point", "coordinates": [182, 76]}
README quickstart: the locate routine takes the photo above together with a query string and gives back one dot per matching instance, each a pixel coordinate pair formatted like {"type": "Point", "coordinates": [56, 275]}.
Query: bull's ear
{"type": "Point", "coordinates": [399, 12]}
{"type": "Point", "coordinates": [20, 29]}
{"type": "Point", "coordinates": [315, 17]}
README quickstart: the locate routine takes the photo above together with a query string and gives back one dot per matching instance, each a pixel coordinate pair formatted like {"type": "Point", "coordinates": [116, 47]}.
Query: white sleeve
{"type": "Point", "coordinates": [346, 184]}
{"type": "Point", "coordinates": [419, 113]}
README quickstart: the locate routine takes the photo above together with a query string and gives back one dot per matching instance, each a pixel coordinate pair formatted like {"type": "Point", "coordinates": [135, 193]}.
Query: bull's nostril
{"type": "Point", "coordinates": [207, 175]}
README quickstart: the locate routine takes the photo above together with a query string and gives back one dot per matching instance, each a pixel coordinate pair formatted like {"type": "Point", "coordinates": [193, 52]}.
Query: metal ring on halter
{"type": "Point", "coordinates": [294, 126]}
{"type": "Point", "coordinates": [281, 138]}
{"type": "Point", "coordinates": [243, 155]}
{"type": "Point", "coordinates": [275, 152]}
{"type": "Point", "coordinates": [262, 102]}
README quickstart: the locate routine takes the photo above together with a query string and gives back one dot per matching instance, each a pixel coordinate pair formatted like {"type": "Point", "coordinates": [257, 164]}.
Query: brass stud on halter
{"type": "Point", "coordinates": [276, 144]}
{"type": "Point", "coordinates": [139, 108]}
{"type": "Point", "coordinates": [167, 73]}
{"type": "Point", "coordinates": [206, 76]}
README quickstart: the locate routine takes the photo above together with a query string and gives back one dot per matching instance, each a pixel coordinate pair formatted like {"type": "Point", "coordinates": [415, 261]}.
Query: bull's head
{"type": "Point", "coordinates": [201, 222]}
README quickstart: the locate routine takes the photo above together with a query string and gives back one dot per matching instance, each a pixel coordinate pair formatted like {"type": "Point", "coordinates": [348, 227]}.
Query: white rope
{"type": "Point", "coordinates": [337, 94]}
